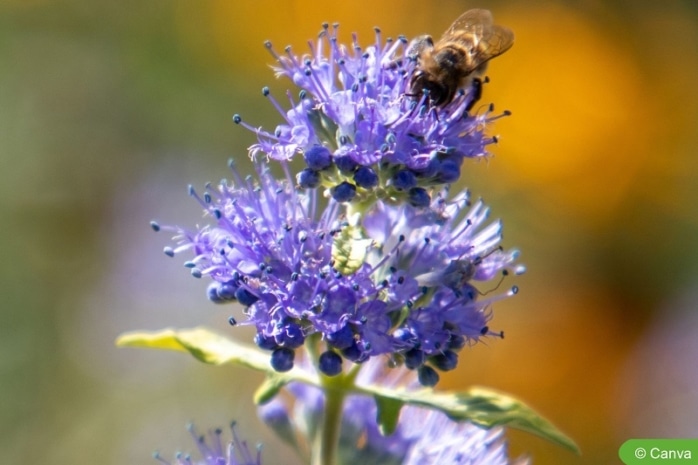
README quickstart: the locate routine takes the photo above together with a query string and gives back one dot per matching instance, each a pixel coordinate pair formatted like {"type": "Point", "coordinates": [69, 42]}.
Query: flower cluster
{"type": "Point", "coordinates": [364, 257]}
{"type": "Point", "coordinates": [215, 452]}
{"type": "Point", "coordinates": [422, 437]}
{"type": "Point", "coordinates": [385, 267]}
{"type": "Point", "coordinates": [399, 282]}
{"type": "Point", "coordinates": [360, 132]}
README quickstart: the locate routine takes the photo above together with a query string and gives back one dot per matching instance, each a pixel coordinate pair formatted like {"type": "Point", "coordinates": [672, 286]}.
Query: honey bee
{"type": "Point", "coordinates": [459, 58]}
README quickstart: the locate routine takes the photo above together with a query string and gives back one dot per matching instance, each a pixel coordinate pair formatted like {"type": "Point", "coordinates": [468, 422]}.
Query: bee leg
{"type": "Point", "coordinates": [476, 93]}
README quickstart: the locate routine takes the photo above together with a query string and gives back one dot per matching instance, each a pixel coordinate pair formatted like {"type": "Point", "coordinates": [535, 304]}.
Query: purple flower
{"type": "Point", "coordinates": [273, 249]}
{"type": "Point", "coordinates": [429, 260]}
{"type": "Point", "coordinates": [422, 436]}
{"type": "Point", "coordinates": [215, 452]}
{"type": "Point", "coordinates": [355, 111]}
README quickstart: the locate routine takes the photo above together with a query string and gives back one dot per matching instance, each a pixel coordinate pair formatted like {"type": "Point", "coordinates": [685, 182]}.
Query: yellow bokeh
{"type": "Point", "coordinates": [582, 117]}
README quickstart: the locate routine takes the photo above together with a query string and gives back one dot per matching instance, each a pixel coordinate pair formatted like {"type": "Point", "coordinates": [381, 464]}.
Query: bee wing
{"type": "Point", "coordinates": [476, 30]}
{"type": "Point", "coordinates": [472, 21]}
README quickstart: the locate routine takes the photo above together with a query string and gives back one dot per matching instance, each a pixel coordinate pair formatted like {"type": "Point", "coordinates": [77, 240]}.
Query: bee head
{"type": "Point", "coordinates": [424, 82]}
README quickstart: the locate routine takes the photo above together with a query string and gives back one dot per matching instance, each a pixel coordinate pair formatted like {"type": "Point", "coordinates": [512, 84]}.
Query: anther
{"type": "Point", "coordinates": [155, 226]}
{"type": "Point", "coordinates": [265, 91]}
{"type": "Point", "coordinates": [237, 119]}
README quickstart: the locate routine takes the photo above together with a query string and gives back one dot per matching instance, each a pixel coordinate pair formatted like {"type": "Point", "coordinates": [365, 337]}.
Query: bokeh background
{"type": "Point", "coordinates": [109, 109]}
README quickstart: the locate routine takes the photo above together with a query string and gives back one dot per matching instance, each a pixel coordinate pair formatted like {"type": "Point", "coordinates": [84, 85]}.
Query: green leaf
{"type": "Point", "coordinates": [388, 414]}
{"type": "Point", "coordinates": [214, 349]}
{"type": "Point", "coordinates": [203, 344]}
{"type": "Point", "coordinates": [478, 405]}
{"type": "Point", "coordinates": [269, 389]}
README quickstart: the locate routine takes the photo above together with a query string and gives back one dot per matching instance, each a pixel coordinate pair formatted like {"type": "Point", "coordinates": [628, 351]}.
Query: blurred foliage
{"type": "Point", "coordinates": [109, 109]}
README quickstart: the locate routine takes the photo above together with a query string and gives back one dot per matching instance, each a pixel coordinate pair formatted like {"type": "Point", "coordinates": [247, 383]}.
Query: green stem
{"type": "Point", "coordinates": [327, 437]}
{"type": "Point", "coordinates": [326, 440]}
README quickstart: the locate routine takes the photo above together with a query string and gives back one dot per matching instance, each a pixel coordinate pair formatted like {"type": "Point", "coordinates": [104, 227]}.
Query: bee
{"type": "Point", "coordinates": [459, 58]}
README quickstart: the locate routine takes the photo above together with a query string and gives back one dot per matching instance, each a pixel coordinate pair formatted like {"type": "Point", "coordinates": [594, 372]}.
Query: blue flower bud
{"type": "Point", "coordinates": [353, 353]}
{"type": "Point", "coordinates": [318, 158]}
{"type": "Point", "coordinates": [291, 336]}
{"type": "Point", "coordinates": [344, 192]}
{"type": "Point", "coordinates": [414, 358]}
{"type": "Point", "coordinates": [245, 297]}
{"type": "Point", "coordinates": [419, 197]}
{"type": "Point", "coordinates": [282, 359]}
{"type": "Point", "coordinates": [445, 361]}
{"type": "Point", "coordinates": [330, 363]}
{"type": "Point", "coordinates": [449, 171]}
{"type": "Point", "coordinates": [404, 180]}
{"type": "Point", "coordinates": [365, 177]}
{"type": "Point", "coordinates": [345, 164]}
{"type": "Point", "coordinates": [427, 376]}
{"type": "Point", "coordinates": [308, 179]}
{"type": "Point", "coordinates": [265, 342]}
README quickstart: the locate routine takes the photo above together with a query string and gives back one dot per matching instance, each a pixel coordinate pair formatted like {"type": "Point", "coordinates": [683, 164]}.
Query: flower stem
{"type": "Point", "coordinates": [327, 437]}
